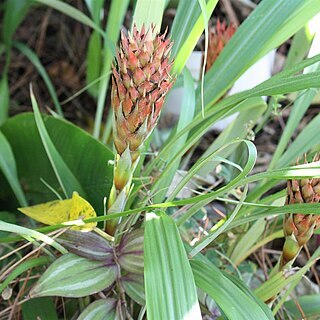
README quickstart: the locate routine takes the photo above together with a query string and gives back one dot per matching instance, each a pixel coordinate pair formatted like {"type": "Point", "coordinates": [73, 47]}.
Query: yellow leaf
{"type": "Point", "coordinates": [62, 211]}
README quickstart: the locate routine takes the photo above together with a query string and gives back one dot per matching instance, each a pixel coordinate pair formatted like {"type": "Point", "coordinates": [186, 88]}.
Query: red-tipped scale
{"type": "Point", "coordinates": [140, 81]}
{"type": "Point", "coordinates": [218, 38]}
{"type": "Point", "coordinates": [299, 228]}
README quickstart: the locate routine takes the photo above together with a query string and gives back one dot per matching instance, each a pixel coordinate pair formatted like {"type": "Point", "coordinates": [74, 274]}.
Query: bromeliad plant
{"type": "Point", "coordinates": [125, 241]}
{"type": "Point", "coordinates": [298, 228]}
{"type": "Point", "coordinates": [140, 83]}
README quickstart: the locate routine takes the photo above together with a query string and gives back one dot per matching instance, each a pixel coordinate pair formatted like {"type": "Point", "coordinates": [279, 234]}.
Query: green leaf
{"type": "Point", "coordinates": [94, 55]}
{"type": "Point", "coordinates": [236, 129]}
{"type": "Point", "coordinates": [85, 156]}
{"type": "Point", "coordinates": [9, 217]}
{"type": "Point", "coordinates": [66, 179]}
{"type": "Point", "coordinates": [160, 187]}
{"type": "Point", "coordinates": [133, 285]}
{"type": "Point", "coordinates": [94, 51]}
{"type": "Point", "coordinates": [283, 82]}
{"type": "Point", "coordinates": [170, 288]}
{"type": "Point", "coordinates": [130, 251]}
{"type": "Point", "coordinates": [116, 15]}
{"type": "Point", "coordinates": [299, 47]}
{"type": "Point", "coordinates": [24, 266]}
{"type": "Point", "coordinates": [188, 12]}
{"type": "Point", "coordinates": [4, 98]}
{"type": "Point", "coordinates": [245, 242]}
{"type": "Point", "coordinates": [234, 302]}
{"type": "Point", "coordinates": [95, 7]}
{"type": "Point", "coordinates": [31, 55]}
{"type": "Point", "coordinates": [263, 30]}
{"type": "Point", "coordinates": [103, 309]}
{"type": "Point", "coordinates": [15, 11]}
{"type": "Point", "coordinates": [71, 12]}
{"type": "Point", "coordinates": [8, 167]}
{"type": "Point", "coordinates": [40, 308]}
{"type": "Point", "coordinates": [186, 45]}
{"type": "Point", "coordinates": [25, 232]}
{"type": "Point", "coordinates": [303, 143]}
{"type": "Point", "coordinates": [148, 13]}
{"type": "Point", "coordinates": [309, 304]}
{"type": "Point", "coordinates": [300, 106]}
{"type": "Point", "coordinates": [73, 276]}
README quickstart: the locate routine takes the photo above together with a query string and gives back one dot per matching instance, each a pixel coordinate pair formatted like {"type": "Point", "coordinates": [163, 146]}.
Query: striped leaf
{"type": "Point", "coordinates": [133, 284]}
{"type": "Point", "coordinates": [233, 301]}
{"type": "Point", "coordinates": [88, 245]}
{"type": "Point", "coordinates": [169, 284]}
{"type": "Point", "coordinates": [130, 252]}
{"type": "Point", "coordinates": [73, 276]}
{"type": "Point", "coordinates": [103, 309]}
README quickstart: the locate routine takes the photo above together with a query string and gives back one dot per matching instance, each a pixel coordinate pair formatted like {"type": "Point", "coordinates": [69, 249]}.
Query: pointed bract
{"type": "Point", "coordinates": [141, 78]}
{"type": "Point", "coordinates": [299, 228]}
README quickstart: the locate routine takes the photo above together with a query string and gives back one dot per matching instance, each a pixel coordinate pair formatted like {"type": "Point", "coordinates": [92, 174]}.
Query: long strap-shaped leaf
{"type": "Point", "coordinates": [71, 12]}
{"type": "Point", "coordinates": [32, 56]}
{"type": "Point", "coordinates": [9, 169]}
{"type": "Point", "coordinates": [232, 300]}
{"type": "Point", "coordinates": [170, 288]}
{"type": "Point", "coordinates": [262, 31]}
{"type": "Point", "coordinates": [187, 28]}
{"type": "Point", "coordinates": [149, 13]}
{"type": "Point", "coordinates": [66, 179]}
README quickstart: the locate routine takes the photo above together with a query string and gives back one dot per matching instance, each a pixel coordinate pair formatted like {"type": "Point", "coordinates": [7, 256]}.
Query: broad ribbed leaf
{"type": "Point", "coordinates": [170, 288]}
{"type": "Point", "coordinates": [88, 245]}
{"type": "Point", "coordinates": [133, 284]}
{"type": "Point", "coordinates": [74, 276]}
{"type": "Point", "coordinates": [39, 308]}
{"type": "Point", "coordinates": [104, 309]}
{"type": "Point", "coordinates": [130, 251]}
{"type": "Point", "coordinates": [235, 303]}
{"type": "Point", "coordinates": [85, 156]}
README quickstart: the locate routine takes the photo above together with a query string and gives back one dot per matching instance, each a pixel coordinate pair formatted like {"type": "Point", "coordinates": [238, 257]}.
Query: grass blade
{"type": "Point", "coordinates": [116, 16]}
{"type": "Point", "coordinates": [160, 187]}
{"type": "Point", "coordinates": [42, 71]}
{"type": "Point", "coordinates": [67, 181]}
{"type": "Point", "coordinates": [71, 12]}
{"type": "Point", "coordinates": [9, 169]}
{"type": "Point", "coordinates": [170, 288]}
{"type": "Point", "coordinates": [25, 266]}
{"type": "Point", "coordinates": [262, 31]}
{"type": "Point", "coordinates": [229, 297]}
{"type": "Point", "coordinates": [15, 11]}
{"type": "Point", "coordinates": [190, 42]}
{"type": "Point", "coordinates": [4, 98]}
{"type": "Point", "coordinates": [8, 227]}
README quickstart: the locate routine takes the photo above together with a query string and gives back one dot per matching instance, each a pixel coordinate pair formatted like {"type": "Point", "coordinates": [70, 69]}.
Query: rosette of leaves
{"type": "Point", "coordinates": [95, 265]}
